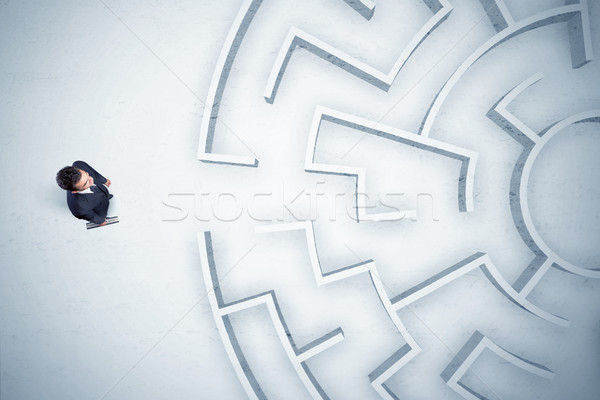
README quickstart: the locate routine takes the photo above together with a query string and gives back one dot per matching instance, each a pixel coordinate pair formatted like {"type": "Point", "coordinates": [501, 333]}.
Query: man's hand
{"type": "Point", "coordinates": [108, 182]}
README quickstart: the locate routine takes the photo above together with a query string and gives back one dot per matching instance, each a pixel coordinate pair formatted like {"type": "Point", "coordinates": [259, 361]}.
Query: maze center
{"type": "Point", "coordinates": [563, 194]}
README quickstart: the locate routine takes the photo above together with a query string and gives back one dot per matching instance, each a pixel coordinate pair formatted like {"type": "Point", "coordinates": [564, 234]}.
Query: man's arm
{"type": "Point", "coordinates": [98, 178]}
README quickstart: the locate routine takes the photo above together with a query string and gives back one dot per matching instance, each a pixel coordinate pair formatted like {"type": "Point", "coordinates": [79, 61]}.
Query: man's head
{"type": "Point", "coordinates": [73, 179]}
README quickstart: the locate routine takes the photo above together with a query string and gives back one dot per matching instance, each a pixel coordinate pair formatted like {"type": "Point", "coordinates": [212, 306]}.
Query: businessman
{"type": "Point", "coordinates": [87, 192]}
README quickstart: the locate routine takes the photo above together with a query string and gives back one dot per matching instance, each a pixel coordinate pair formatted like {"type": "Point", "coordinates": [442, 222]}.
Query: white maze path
{"type": "Point", "coordinates": [339, 323]}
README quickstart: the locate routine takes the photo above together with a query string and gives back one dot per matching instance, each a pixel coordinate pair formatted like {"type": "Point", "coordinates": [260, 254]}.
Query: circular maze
{"type": "Point", "coordinates": [395, 244]}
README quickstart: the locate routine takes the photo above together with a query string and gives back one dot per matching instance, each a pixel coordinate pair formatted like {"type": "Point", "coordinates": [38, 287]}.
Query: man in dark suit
{"type": "Point", "coordinates": [87, 192]}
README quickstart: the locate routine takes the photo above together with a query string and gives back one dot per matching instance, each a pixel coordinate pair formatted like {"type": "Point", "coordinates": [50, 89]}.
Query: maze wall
{"type": "Point", "coordinates": [461, 259]}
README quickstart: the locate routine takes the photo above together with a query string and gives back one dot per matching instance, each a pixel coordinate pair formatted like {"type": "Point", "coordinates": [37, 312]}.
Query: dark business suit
{"type": "Point", "coordinates": [90, 206]}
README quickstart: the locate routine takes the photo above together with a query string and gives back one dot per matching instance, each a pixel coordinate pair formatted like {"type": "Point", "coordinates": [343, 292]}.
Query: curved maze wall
{"type": "Point", "coordinates": [438, 100]}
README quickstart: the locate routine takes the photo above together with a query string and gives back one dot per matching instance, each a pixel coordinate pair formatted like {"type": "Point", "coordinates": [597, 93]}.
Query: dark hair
{"type": "Point", "coordinates": [68, 177]}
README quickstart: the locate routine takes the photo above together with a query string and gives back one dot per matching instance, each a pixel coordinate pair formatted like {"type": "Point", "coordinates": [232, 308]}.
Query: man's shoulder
{"type": "Point", "coordinates": [90, 170]}
{"type": "Point", "coordinates": [81, 165]}
{"type": "Point", "coordinates": [76, 201]}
